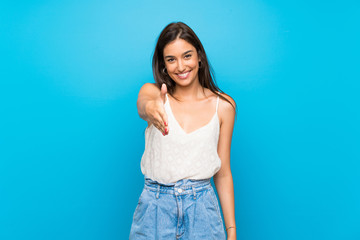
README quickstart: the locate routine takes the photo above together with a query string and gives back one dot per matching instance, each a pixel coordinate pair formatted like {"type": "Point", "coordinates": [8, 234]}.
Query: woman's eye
{"type": "Point", "coordinates": [170, 60]}
{"type": "Point", "coordinates": [188, 55]}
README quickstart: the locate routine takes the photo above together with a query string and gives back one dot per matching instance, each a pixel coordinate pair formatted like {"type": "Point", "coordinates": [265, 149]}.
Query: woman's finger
{"type": "Point", "coordinates": [163, 92]}
{"type": "Point", "coordinates": [158, 122]}
{"type": "Point", "coordinates": [164, 121]}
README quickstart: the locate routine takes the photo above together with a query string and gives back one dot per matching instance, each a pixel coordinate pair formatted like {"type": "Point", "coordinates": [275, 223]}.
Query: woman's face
{"type": "Point", "coordinates": [181, 62]}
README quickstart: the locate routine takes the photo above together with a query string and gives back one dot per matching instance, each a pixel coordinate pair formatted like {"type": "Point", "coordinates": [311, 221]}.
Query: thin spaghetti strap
{"type": "Point", "coordinates": [167, 99]}
{"type": "Point", "coordinates": [217, 104]}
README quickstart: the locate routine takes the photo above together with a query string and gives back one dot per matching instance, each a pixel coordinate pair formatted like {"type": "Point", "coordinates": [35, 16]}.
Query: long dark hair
{"type": "Point", "coordinates": [180, 30]}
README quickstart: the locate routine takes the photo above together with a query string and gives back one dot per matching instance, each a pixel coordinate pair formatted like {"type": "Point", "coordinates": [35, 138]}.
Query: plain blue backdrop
{"type": "Point", "coordinates": [71, 139]}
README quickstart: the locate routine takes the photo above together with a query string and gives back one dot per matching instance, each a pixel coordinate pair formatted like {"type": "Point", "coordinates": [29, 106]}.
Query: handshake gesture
{"type": "Point", "coordinates": [150, 105]}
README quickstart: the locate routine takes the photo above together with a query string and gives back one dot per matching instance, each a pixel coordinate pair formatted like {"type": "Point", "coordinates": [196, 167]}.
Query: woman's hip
{"type": "Point", "coordinates": [182, 209]}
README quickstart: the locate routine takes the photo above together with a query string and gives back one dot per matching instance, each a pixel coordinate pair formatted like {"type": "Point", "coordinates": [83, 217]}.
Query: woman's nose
{"type": "Point", "coordinates": [180, 66]}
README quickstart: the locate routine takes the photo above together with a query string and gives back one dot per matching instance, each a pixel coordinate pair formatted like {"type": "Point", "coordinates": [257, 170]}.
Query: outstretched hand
{"type": "Point", "coordinates": [156, 112]}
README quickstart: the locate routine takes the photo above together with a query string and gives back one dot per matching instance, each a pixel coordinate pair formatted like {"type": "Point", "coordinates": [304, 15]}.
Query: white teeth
{"type": "Point", "coordinates": [183, 75]}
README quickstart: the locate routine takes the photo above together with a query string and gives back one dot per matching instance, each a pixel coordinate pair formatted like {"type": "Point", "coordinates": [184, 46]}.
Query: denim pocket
{"type": "Point", "coordinates": [139, 202]}
{"type": "Point", "coordinates": [141, 195]}
{"type": "Point", "coordinates": [215, 203]}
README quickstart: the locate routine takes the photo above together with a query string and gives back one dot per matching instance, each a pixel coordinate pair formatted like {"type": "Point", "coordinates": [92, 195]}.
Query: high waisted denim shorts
{"type": "Point", "coordinates": [187, 209]}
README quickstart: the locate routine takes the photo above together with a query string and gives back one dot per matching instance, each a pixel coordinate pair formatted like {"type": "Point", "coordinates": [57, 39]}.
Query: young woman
{"type": "Point", "coordinates": [187, 142]}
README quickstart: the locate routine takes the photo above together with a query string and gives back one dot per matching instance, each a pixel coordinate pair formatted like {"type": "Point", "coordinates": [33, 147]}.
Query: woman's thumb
{"type": "Point", "coordinates": [163, 91]}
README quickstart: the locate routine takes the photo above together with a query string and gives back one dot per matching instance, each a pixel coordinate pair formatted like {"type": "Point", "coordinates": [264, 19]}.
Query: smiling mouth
{"type": "Point", "coordinates": [183, 75]}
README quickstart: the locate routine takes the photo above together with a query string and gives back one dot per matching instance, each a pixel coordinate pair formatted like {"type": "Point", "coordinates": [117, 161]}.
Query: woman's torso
{"type": "Point", "coordinates": [190, 154]}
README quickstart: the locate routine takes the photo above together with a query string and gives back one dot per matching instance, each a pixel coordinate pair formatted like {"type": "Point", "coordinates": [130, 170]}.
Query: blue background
{"type": "Point", "coordinates": [71, 139]}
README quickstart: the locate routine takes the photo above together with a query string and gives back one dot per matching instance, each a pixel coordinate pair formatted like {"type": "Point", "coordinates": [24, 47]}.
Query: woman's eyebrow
{"type": "Point", "coordinates": [187, 52]}
{"type": "Point", "coordinates": [169, 56]}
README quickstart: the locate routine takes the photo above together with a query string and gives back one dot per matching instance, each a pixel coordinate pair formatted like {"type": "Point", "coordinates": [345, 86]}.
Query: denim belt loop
{"type": "Point", "coordinates": [194, 192]}
{"type": "Point", "coordinates": [158, 192]}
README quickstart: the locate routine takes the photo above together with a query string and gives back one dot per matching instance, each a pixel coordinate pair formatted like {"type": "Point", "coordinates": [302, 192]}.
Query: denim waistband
{"type": "Point", "coordinates": [181, 187]}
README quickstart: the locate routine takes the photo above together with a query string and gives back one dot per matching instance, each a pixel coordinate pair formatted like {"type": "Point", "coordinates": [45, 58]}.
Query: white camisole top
{"type": "Point", "coordinates": [180, 155]}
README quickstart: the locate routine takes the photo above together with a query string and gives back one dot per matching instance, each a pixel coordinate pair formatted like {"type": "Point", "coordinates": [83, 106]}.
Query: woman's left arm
{"type": "Point", "coordinates": [223, 178]}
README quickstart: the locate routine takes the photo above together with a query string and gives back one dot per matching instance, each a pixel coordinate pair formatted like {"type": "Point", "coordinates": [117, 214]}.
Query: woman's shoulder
{"type": "Point", "coordinates": [226, 108]}
{"type": "Point", "coordinates": [226, 104]}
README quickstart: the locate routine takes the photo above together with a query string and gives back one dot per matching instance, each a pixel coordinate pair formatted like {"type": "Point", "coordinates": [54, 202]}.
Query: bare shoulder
{"type": "Point", "coordinates": [226, 110]}
{"type": "Point", "coordinates": [225, 105]}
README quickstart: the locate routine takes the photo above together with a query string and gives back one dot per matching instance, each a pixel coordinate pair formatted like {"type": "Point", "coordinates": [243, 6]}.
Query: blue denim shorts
{"type": "Point", "coordinates": [187, 209]}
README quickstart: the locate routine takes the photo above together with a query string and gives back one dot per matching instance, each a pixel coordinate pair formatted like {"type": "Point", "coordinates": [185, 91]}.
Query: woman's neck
{"type": "Point", "coordinates": [189, 93]}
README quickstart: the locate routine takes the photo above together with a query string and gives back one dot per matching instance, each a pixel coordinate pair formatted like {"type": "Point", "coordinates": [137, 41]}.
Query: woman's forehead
{"type": "Point", "coordinates": [178, 46]}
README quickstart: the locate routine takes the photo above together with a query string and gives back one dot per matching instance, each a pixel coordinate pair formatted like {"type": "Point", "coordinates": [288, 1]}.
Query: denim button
{"type": "Point", "coordinates": [193, 215]}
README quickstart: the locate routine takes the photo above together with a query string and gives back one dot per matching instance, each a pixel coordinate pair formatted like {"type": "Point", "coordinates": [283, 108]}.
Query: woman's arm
{"type": "Point", "coordinates": [150, 105]}
{"type": "Point", "coordinates": [223, 178]}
